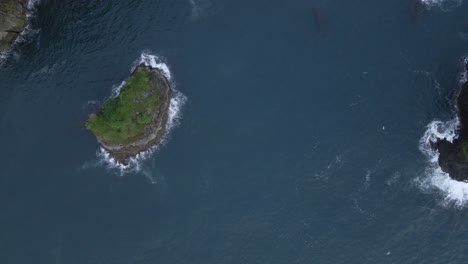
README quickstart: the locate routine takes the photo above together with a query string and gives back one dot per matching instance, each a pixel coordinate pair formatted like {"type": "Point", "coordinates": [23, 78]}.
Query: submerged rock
{"type": "Point", "coordinates": [13, 20]}
{"type": "Point", "coordinates": [453, 158]}
{"type": "Point", "coordinates": [320, 19]}
{"type": "Point", "coordinates": [136, 119]}
{"type": "Point", "coordinates": [416, 9]}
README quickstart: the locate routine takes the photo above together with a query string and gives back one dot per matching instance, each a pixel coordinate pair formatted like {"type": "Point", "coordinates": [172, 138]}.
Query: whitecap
{"type": "Point", "coordinates": [154, 61]}
{"type": "Point", "coordinates": [367, 181]}
{"type": "Point", "coordinates": [195, 9]}
{"type": "Point", "coordinates": [394, 178]}
{"type": "Point", "coordinates": [32, 4]}
{"type": "Point", "coordinates": [199, 8]}
{"type": "Point", "coordinates": [444, 5]}
{"type": "Point", "coordinates": [147, 59]}
{"type": "Point", "coordinates": [3, 56]}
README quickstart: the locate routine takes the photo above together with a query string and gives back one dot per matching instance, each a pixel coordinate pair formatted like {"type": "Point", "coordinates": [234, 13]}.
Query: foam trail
{"type": "Point", "coordinates": [445, 5]}
{"type": "Point", "coordinates": [199, 8]}
{"type": "Point", "coordinates": [175, 105]}
{"type": "Point", "coordinates": [195, 9]}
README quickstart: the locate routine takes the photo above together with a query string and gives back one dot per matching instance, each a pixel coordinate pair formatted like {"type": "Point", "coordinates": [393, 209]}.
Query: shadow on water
{"type": "Point", "coordinates": [416, 10]}
{"type": "Point", "coordinates": [321, 19]}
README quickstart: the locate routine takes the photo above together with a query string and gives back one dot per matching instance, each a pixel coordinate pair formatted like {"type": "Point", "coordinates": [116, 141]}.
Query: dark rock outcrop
{"type": "Point", "coordinates": [13, 20]}
{"type": "Point", "coordinates": [320, 19]}
{"type": "Point", "coordinates": [416, 9]}
{"type": "Point", "coordinates": [453, 158]}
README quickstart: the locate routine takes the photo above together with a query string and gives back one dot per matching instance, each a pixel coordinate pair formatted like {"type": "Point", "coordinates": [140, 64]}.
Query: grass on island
{"type": "Point", "coordinates": [123, 118]}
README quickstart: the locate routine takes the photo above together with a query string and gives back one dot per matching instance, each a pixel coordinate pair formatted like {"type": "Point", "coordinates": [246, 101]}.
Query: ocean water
{"type": "Point", "coordinates": [300, 135]}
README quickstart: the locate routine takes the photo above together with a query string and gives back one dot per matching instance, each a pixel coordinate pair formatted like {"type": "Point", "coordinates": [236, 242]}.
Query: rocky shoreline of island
{"type": "Point", "coordinates": [151, 133]}
{"type": "Point", "coordinates": [13, 21]}
{"type": "Point", "coordinates": [453, 153]}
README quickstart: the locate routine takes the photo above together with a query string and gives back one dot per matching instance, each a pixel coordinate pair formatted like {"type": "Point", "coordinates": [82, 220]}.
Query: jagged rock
{"type": "Point", "coordinates": [13, 20]}
{"type": "Point", "coordinates": [453, 158]}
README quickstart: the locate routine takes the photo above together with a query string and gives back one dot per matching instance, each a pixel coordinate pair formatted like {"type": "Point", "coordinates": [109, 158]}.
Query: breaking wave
{"type": "Point", "coordinates": [453, 192]}
{"type": "Point", "coordinates": [177, 101]}
{"type": "Point", "coordinates": [32, 4]}
{"type": "Point", "coordinates": [445, 5]}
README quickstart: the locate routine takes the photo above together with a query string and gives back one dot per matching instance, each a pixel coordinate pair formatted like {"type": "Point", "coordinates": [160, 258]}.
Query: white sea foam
{"type": "Point", "coordinates": [3, 56]}
{"type": "Point", "coordinates": [174, 115]}
{"type": "Point", "coordinates": [32, 4]}
{"type": "Point", "coordinates": [394, 178]}
{"type": "Point", "coordinates": [154, 61]}
{"type": "Point", "coordinates": [453, 192]}
{"type": "Point", "coordinates": [149, 60]}
{"type": "Point", "coordinates": [195, 9]}
{"type": "Point", "coordinates": [199, 8]}
{"type": "Point", "coordinates": [445, 5]}
{"type": "Point", "coordinates": [335, 164]}
{"type": "Point", "coordinates": [367, 181]}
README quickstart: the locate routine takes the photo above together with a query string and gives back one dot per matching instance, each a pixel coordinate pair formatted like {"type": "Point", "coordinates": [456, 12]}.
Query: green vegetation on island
{"type": "Point", "coordinates": [123, 118]}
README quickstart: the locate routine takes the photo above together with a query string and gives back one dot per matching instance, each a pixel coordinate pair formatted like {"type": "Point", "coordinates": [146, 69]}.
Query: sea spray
{"type": "Point", "coordinates": [435, 179]}
{"type": "Point", "coordinates": [454, 192]}
{"type": "Point", "coordinates": [32, 4]}
{"type": "Point", "coordinates": [444, 5]}
{"type": "Point", "coordinates": [174, 115]}
{"type": "Point", "coordinates": [154, 61]}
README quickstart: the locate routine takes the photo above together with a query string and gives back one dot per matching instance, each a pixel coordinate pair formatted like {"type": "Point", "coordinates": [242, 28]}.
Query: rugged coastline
{"type": "Point", "coordinates": [136, 119]}
{"type": "Point", "coordinates": [13, 20]}
{"type": "Point", "coordinates": [453, 155]}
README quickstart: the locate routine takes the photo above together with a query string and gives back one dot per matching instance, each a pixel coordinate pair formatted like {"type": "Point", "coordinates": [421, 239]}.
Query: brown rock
{"type": "Point", "coordinates": [12, 22]}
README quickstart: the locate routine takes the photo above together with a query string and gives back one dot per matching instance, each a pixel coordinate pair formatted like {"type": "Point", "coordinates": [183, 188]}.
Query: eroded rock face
{"type": "Point", "coordinates": [453, 158]}
{"type": "Point", "coordinates": [416, 9]}
{"type": "Point", "coordinates": [12, 22]}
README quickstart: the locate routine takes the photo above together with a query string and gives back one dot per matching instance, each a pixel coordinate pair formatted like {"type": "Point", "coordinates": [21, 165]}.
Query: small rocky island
{"type": "Point", "coordinates": [453, 158]}
{"type": "Point", "coordinates": [13, 21]}
{"type": "Point", "coordinates": [134, 120]}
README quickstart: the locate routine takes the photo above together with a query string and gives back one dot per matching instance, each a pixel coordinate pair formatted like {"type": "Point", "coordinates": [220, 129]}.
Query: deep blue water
{"type": "Point", "coordinates": [296, 144]}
